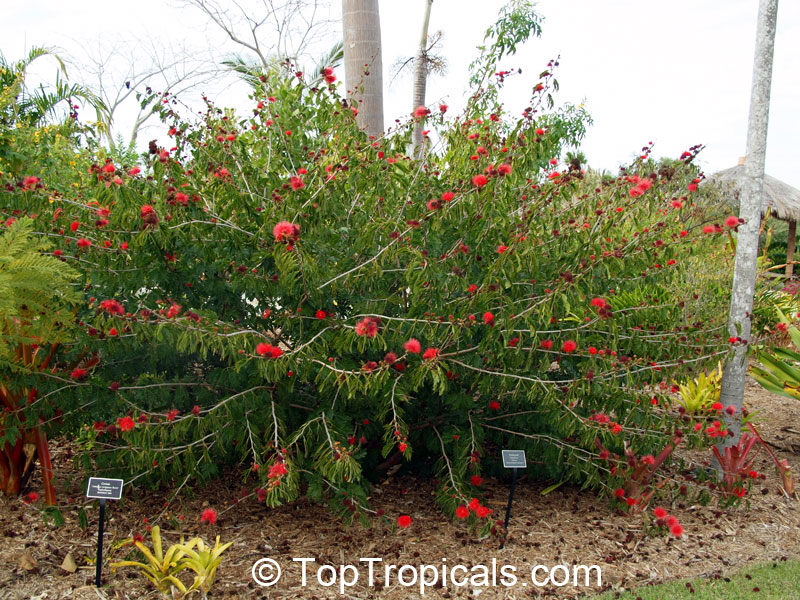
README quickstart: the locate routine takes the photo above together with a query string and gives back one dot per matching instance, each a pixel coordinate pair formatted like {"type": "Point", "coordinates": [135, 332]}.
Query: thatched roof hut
{"type": "Point", "coordinates": [781, 199]}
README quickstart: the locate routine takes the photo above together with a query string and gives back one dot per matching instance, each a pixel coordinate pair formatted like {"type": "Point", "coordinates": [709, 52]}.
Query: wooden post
{"type": "Point", "coordinates": [790, 248]}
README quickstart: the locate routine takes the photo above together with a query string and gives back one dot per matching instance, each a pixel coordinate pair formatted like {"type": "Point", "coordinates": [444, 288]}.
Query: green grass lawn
{"type": "Point", "coordinates": [772, 581]}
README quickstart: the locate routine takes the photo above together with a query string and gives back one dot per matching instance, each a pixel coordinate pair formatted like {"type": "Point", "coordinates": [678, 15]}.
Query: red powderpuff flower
{"type": "Point", "coordinates": [488, 318]}
{"type": "Point", "coordinates": [709, 229]}
{"type": "Point", "coordinates": [483, 512]}
{"type": "Point", "coordinates": [476, 480]}
{"type": "Point", "coordinates": [731, 221]}
{"type": "Point", "coordinates": [402, 446]}
{"type": "Point", "coordinates": [277, 470]}
{"type": "Point", "coordinates": [74, 226]}
{"type": "Point", "coordinates": [599, 302]}
{"type": "Point", "coordinates": [462, 512]}
{"type": "Point", "coordinates": [320, 314]}
{"type": "Point", "coordinates": [31, 497]}
{"type": "Point", "coordinates": [494, 405]}
{"type": "Point", "coordinates": [421, 111]}
{"type": "Point", "coordinates": [619, 493]}
{"type": "Point", "coordinates": [430, 353]}
{"type": "Point", "coordinates": [479, 181]}
{"type": "Point", "coordinates": [513, 342]}
{"type": "Point", "coordinates": [327, 72]}
{"type": "Point", "coordinates": [286, 232]}
{"type": "Point", "coordinates": [473, 504]}
{"type": "Point", "coordinates": [472, 288]}
{"type": "Point", "coordinates": [630, 501]}
{"type": "Point", "coordinates": [174, 310]}
{"type": "Point", "coordinates": [413, 346]}
{"type": "Point", "coordinates": [78, 374]}
{"type": "Point", "coordinates": [196, 410]}
{"type": "Point", "coordinates": [367, 327]}
{"type": "Point", "coordinates": [448, 196]}
{"type": "Point", "coordinates": [677, 204]}
{"type": "Point", "coordinates": [83, 243]}
{"type": "Point", "coordinates": [125, 423]}
{"type": "Point", "coordinates": [569, 346]}
{"type": "Point", "coordinates": [504, 169]}
{"type": "Point", "coordinates": [676, 530]}
{"type": "Point", "coordinates": [501, 249]}
{"type": "Point", "coordinates": [403, 521]}
{"type": "Point", "coordinates": [692, 187]}
{"type": "Point", "coordinates": [671, 521]}
{"type": "Point", "coordinates": [660, 513]}
{"type": "Point", "coordinates": [297, 183]}
{"type": "Point", "coordinates": [592, 350]}
{"type": "Point", "coordinates": [547, 344]}
{"type": "Point", "coordinates": [208, 515]}
{"type": "Point", "coordinates": [263, 349]}
{"type": "Point", "coordinates": [443, 108]}
{"type": "Point", "coordinates": [171, 414]}
{"type": "Point", "coordinates": [390, 358]}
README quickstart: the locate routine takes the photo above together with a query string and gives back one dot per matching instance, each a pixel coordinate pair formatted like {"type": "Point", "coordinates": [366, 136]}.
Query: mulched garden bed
{"type": "Point", "coordinates": [566, 526]}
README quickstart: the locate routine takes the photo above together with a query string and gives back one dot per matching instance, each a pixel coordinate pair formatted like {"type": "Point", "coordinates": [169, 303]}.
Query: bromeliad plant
{"type": "Point", "coordinates": [164, 568]}
{"type": "Point", "coordinates": [161, 568]}
{"type": "Point", "coordinates": [281, 294]}
{"type": "Point", "coordinates": [701, 393]}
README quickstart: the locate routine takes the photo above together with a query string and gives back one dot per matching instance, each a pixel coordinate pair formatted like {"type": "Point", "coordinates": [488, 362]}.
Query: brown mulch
{"type": "Point", "coordinates": [566, 526]}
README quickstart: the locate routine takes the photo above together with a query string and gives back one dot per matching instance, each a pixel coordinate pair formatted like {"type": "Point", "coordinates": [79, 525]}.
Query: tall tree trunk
{"type": "Point", "coordinates": [744, 273]}
{"type": "Point", "coordinates": [363, 63]}
{"type": "Point", "coordinates": [420, 80]}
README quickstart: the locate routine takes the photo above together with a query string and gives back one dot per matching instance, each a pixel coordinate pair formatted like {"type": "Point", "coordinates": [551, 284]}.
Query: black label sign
{"type": "Point", "coordinates": [514, 459]}
{"type": "Point", "coordinates": [100, 487]}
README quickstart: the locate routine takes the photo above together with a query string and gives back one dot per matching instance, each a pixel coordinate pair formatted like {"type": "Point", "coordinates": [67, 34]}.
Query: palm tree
{"type": "Point", "coordinates": [33, 107]}
{"type": "Point", "coordinates": [363, 62]}
{"type": "Point", "coordinates": [744, 270]}
{"type": "Point", "coordinates": [253, 71]}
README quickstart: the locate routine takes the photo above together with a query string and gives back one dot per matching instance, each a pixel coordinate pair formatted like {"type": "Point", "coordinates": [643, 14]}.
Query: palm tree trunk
{"type": "Point", "coordinates": [744, 274]}
{"type": "Point", "coordinates": [420, 81]}
{"type": "Point", "coordinates": [363, 62]}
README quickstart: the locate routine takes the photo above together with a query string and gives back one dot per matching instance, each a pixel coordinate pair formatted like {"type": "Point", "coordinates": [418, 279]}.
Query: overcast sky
{"type": "Point", "coordinates": [676, 73]}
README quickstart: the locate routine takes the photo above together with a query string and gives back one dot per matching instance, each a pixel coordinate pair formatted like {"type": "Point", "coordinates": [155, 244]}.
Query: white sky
{"type": "Point", "coordinates": [676, 73]}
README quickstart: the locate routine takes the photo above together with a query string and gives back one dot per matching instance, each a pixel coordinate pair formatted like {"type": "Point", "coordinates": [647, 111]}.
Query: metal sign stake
{"type": "Point", "coordinates": [100, 542]}
{"type": "Point", "coordinates": [102, 489]}
{"type": "Point", "coordinates": [514, 460]}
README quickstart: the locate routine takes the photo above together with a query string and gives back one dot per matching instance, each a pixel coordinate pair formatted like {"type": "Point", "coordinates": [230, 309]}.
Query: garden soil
{"type": "Point", "coordinates": [566, 526]}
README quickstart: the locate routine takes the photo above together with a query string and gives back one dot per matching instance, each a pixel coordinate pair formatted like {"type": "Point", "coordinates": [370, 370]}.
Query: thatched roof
{"type": "Point", "coordinates": [783, 199]}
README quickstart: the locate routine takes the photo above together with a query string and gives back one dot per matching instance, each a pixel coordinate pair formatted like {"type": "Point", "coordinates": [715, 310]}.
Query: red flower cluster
{"type": "Point", "coordinates": [327, 73]}
{"type": "Point", "coordinates": [462, 512]}
{"type": "Point", "coordinates": [368, 327]}
{"type": "Point", "coordinates": [209, 515]}
{"type": "Point", "coordinates": [113, 307]}
{"type": "Point", "coordinates": [662, 518]}
{"type": "Point", "coordinates": [264, 349]}
{"type": "Point", "coordinates": [149, 216]}
{"type": "Point", "coordinates": [286, 233]}
{"type": "Point", "coordinates": [413, 346]}
{"type": "Point", "coordinates": [430, 354]}
{"type": "Point", "coordinates": [125, 423]}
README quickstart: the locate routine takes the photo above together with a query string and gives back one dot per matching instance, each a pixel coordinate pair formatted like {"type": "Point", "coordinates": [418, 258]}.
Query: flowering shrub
{"type": "Point", "coordinates": [281, 293]}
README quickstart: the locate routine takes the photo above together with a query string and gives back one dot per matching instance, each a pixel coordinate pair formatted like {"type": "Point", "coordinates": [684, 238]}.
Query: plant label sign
{"type": "Point", "coordinates": [104, 489]}
{"type": "Point", "coordinates": [514, 459]}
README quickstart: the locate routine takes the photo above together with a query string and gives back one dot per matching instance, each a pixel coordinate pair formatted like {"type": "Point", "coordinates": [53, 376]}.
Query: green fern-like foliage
{"type": "Point", "coordinates": [36, 291]}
